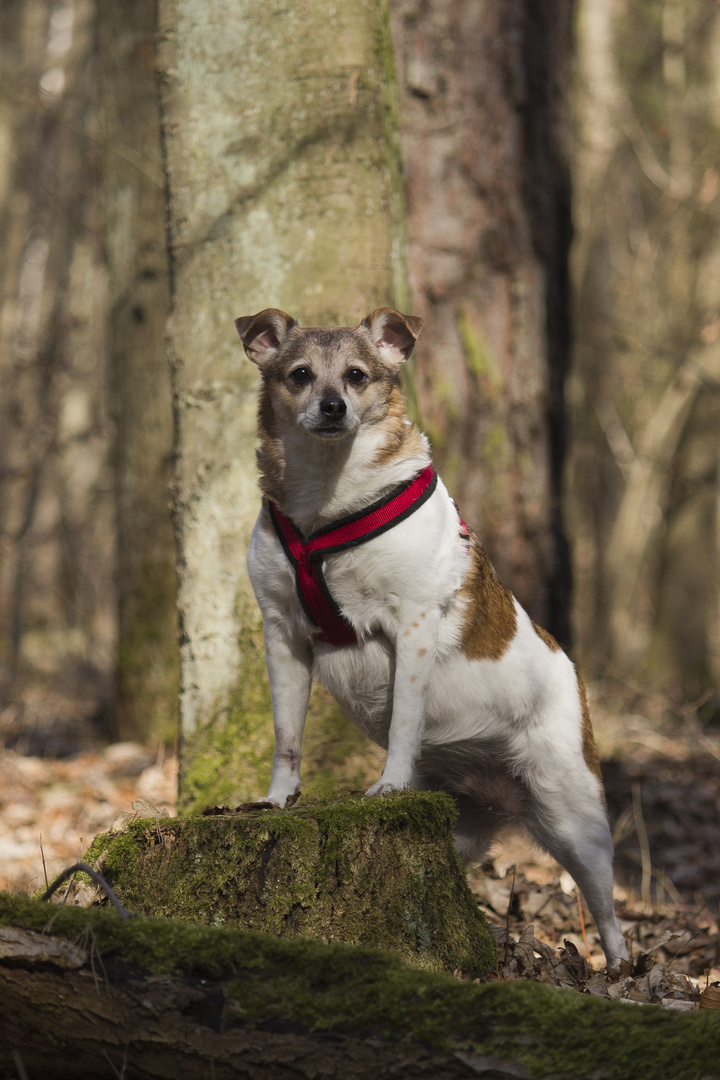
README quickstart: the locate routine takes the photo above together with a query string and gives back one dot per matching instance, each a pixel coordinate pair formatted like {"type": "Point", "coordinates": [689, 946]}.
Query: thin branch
{"type": "Point", "coordinates": [644, 846]}
{"type": "Point", "coordinates": [25, 98]}
{"type": "Point", "coordinates": [582, 922]}
{"type": "Point", "coordinates": [94, 876]}
{"type": "Point", "coordinates": [19, 1065]}
{"type": "Point", "coordinates": [43, 861]}
{"type": "Point", "coordinates": [121, 1074]}
{"type": "Point", "coordinates": [617, 437]}
{"type": "Point", "coordinates": [669, 185]}
{"type": "Point", "coordinates": [711, 749]}
{"type": "Point", "coordinates": [507, 919]}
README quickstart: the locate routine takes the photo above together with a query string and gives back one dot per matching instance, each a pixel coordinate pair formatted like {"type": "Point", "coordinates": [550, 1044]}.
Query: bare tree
{"type": "Point", "coordinates": [648, 358]}
{"type": "Point", "coordinates": [57, 629]}
{"type": "Point", "coordinates": [283, 173]}
{"type": "Point", "coordinates": [485, 151]}
{"type": "Point", "coordinates": [141, 400]}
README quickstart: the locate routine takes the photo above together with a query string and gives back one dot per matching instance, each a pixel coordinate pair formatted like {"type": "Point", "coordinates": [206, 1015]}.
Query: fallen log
{"type": "Point", "coordinates": [84, 993]}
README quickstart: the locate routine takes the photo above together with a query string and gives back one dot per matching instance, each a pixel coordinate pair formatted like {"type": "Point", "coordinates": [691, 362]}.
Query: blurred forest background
{"type": "Point", "coordinates": [561, 169]}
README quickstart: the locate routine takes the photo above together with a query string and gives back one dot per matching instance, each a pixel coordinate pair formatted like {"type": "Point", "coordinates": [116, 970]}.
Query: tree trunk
{"type": "Point", "coordinates": [133, 182]}
{"type": "Point", "coordinates": [88, 994]}
{"type": "Point", "coordinates": [647, 406]}
{"type": "Point", "coordinates": [282, 163]}
{"type": "Point", "coordinates": [57, 627]}
{"type": "Point", "coordinates": [483, 102]}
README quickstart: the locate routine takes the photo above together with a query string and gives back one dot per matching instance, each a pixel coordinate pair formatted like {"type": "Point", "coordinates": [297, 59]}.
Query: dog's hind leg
{"type": "Point", "coordinates": [571, 824]}
{"type": "Point", "coordinates": [475, 830]}
{"type": "Point", "coordinates": [477, 822]}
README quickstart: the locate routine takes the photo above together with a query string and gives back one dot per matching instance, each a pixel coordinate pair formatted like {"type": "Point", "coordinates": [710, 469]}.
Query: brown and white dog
{"type": "Point", "coordinates": [369, 582]}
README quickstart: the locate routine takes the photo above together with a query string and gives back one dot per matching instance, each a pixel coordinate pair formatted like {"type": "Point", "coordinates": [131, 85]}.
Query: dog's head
{"type": "Point", "coordinates": [329, 381]}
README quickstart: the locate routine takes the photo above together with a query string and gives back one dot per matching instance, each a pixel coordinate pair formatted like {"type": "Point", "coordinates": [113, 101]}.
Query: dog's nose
{"type": "Point", "coordinates": [333, 407]}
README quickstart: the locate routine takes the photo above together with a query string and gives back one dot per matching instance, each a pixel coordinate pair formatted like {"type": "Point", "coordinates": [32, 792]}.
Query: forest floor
{"type": "Point", "coordinates": [662, 778]}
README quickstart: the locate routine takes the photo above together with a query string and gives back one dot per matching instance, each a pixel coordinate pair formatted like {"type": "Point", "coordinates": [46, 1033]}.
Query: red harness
{"type": "Point", "coordinates": [306, 556]}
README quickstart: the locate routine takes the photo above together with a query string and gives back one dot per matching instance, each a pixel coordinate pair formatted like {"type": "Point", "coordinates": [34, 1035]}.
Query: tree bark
{"type": "Point", "coordinates": [284, 189]}
{"type": "Point", "coordinates": [645, 390]}
{"type": "Point", "coordinates": [87, 993]}
{"type": "Point", "coordinates": [56, 506]}
{"type": "Point", "coordinates": [133, 185]}
{"type": "Point", "coordinates": [483, 103]}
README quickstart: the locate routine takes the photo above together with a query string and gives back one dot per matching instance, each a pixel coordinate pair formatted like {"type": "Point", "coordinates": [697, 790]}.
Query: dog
{"type": "Point", "coordinates": [369, 582]}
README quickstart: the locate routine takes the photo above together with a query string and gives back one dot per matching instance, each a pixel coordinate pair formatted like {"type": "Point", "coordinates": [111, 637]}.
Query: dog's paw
{"type": "Point", "coordinates": [280, 803]}
{"type": "Point", "coordinates": [384, 788]}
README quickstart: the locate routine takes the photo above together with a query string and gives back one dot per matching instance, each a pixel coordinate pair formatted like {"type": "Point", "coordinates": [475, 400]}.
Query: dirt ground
{"type": "Point", "coordinates": [662, 777]}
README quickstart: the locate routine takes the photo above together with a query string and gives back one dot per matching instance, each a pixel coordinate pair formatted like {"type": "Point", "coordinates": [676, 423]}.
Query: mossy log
{"type": "Point", "coordinates": [375, 872]}
{"type": "Point", "coordinates": [87, 994]}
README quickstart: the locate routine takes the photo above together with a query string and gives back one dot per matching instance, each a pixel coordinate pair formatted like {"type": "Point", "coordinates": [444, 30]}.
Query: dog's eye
{"type": "Point", "coordinates": [301, 376]}
{"type": "Point", "coordinates": [356, 375]}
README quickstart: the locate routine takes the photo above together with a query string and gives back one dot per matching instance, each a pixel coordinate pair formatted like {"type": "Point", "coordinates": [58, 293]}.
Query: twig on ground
{"type": "Point", "coordinates": [67, 891]}
{"type": "Point", "coordinates": [120, 1074]}
{"type": "Point", "coordinates": [644, 846]}
{"type": "Point", "coordinates": [43, 862]}
{"type": "Point", "coordinates": [94, 876]}
{"type": "Point", "coordinates": [507, 917]}
{"type": "Point", "coordinates": [582, 923]}
{"type": "Point", "coordinates": [19, 1065]}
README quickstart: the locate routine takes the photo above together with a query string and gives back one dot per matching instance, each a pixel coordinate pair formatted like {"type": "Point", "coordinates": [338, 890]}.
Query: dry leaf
{"type": "Point", "coordinates": [710, 997]}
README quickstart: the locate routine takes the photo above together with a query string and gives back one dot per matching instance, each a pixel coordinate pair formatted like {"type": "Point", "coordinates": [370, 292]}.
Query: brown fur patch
{"type": "Point", "coordinates": [401, 438]}
{"type": "Point", "coordinates": [547, 638]}
{"type": "Point", "coordinates": [270, 455]}
{"type": "Point", "coordinates": [490, 620]}
{"type": "Point", "coordinates": [589, 749]}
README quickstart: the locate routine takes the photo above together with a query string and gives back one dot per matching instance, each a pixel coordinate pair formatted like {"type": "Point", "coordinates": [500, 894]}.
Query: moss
{"type": "Point", "coordinates": [338, 988]}
{"type": "Point", "coordinates": [582, 1035]}
{"type": "Point", "coordinates": [97, 848]}
{"type": "Point", "coordinates": [148, 659]}
{"type": "Point", "coordinates": [227, 759]}
{"type": "Point", "coordinates": [376, 872]}
{"type": "Point", "coordinates": [495, 444]}
{"type": "Point", "coordinates": [480, 358]}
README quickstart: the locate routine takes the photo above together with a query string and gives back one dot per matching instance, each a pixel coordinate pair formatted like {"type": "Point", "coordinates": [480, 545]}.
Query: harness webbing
{"type": "Point", "coordinates": [306, 555]}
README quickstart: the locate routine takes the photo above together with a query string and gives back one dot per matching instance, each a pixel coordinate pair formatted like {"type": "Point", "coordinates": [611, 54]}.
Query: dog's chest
{"type": "Point", "coordinates": [420, 560]}
{"type": "Point", "coordinates": [379, 586]}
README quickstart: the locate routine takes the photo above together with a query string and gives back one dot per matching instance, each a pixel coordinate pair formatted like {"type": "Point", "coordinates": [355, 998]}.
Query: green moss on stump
{"type": "Point", "coordinates": [374, 872]}
{"type": "Point", "coordinates": [364, 993]}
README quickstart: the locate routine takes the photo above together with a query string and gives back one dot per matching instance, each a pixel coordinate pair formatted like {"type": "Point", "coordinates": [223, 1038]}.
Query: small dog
{"type": "Point", "coordinates": [368, 581]}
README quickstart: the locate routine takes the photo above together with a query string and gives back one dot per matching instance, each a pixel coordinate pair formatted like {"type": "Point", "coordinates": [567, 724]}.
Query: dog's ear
{"type": "Point", "coordinates": [393, 334]}
{"type": "Point", "coordinates": [263, 334]}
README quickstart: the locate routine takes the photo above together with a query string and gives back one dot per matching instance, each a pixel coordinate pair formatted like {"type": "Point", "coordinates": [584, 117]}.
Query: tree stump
{"type": "Point", "coordinates": [374, 872]}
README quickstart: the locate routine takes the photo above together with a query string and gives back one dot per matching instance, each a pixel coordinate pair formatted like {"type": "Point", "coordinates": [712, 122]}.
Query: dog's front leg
{"type": "Point", "coordinates": [415, 651]}
{"type": "Point", "coordinates": [289, 671]}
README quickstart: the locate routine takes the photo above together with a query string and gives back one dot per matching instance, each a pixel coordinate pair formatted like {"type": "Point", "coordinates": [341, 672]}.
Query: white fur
{"type": "Point", "coordinates": [503, 736]}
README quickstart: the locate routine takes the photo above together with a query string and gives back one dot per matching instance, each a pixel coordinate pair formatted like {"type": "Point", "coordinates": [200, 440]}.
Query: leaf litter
{"type": "Point", "coordinates": [662, 777]}
{"type": "Point", "coordinates": [662, 780]}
